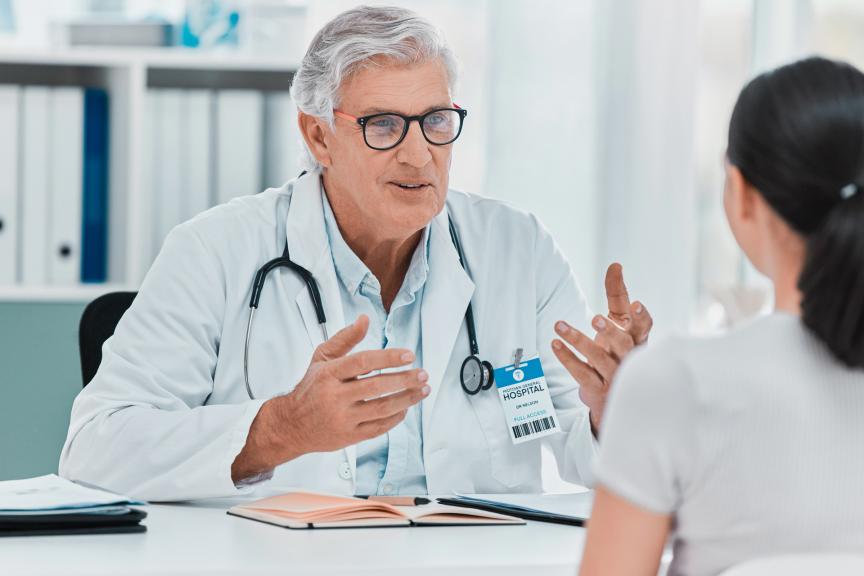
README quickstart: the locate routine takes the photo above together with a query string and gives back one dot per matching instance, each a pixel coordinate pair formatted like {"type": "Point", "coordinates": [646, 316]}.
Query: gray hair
{"type": "Point", "coordinates": [350, 42]}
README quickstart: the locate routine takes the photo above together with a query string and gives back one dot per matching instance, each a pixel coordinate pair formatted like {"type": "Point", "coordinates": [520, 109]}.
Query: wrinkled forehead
{"type": "Point", "coordinates": [386, 85]}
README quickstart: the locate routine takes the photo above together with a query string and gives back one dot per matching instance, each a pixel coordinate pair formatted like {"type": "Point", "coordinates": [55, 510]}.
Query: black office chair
{"type": "Point", "coordinates": [97, 324]}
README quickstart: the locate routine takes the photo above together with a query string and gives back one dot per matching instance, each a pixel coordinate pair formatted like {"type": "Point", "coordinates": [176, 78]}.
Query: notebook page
{"type": "Point", "coordinates": [430, 513]}
{"type": "Point", "coordinates": [311, 507]}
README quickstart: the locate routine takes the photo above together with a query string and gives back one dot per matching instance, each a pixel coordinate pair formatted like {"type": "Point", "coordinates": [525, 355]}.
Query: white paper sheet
{"type": "Point", "coordinates": [51, 492]}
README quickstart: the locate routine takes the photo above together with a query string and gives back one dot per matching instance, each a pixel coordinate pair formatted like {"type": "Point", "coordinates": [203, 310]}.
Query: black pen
{"type": "Point", "coordinates": [398, 500]}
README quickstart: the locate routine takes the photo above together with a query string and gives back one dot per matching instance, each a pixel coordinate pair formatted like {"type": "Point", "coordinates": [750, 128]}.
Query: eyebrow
{"type": "Point", "coordinates": [371, 111]}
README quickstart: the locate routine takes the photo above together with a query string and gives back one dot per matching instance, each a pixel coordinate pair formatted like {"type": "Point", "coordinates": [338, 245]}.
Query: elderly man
{"type": "Point", "coordinates": [439, 374]}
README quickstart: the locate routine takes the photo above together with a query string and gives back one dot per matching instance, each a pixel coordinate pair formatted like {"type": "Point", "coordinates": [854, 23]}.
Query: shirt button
{"type": "Point", "coordinates": [345, 471]}
{"type": "Point", "coordinates": [388, 489]}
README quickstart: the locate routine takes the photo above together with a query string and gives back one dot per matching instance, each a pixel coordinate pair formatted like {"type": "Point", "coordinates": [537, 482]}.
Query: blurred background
{"type": "Point", "coordinates": [606, 118]}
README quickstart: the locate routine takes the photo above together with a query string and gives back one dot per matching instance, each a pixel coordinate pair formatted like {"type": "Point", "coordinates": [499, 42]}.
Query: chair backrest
{"type": "Point", "coordinates": [801, 565]}
{"type": "Point", "coordinates": [97, 324]}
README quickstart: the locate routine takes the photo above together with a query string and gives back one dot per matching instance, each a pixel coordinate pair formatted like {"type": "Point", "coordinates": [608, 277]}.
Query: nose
{"type": "Point", "coordinates": [414, 149]}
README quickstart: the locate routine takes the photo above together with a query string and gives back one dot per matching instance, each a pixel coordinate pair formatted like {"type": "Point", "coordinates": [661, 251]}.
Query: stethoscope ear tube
{"type": "Point", "coordinates": [258, 286]}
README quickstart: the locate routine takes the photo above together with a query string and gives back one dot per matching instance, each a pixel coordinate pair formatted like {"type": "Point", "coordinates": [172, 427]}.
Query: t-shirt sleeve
{"type": "Point", "coordinates": [649, 429]}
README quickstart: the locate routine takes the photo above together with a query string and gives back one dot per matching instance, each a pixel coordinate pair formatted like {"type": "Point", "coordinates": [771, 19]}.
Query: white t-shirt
{"type": "Point", "coordinates": [753, 441]}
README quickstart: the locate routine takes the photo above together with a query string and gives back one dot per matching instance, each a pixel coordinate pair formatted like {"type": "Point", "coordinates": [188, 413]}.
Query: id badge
{"type": "Point", "coordinates": [525, 397]}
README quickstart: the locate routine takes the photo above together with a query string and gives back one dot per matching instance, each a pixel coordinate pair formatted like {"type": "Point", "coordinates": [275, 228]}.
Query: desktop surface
{"type": "Point", "coordinates": [200, 538]}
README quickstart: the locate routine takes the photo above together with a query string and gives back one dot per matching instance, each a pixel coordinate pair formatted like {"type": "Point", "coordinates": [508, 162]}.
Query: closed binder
{"type": "Point", "coordinates": [94, 230]}
{"type": "Point", "coordinates": [238, 143]}
{"type": "Point", "coordinates": [65, 182]}
{"type": "Point", "coordinates": [35, 168]}
{"type": "Point", "coordinates": [168, 178]}
{"type": "Point", "coordinates": [197, 140]}
{"type": "Point", "coordinates": [283, 143]}
{"type": "Point", "coordinates": [9, 157]}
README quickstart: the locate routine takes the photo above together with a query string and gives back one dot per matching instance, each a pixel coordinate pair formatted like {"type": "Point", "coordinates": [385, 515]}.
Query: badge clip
{"type": "Point", "coordinates": [517, 357]}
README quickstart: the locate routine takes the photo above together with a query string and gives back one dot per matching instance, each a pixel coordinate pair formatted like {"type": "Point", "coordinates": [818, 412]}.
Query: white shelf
{"type": "Point", "coordinates": [83, 293]}
{"type": "Point", "coordinates": [127, 74]}
{"type": "Point", "coordinates": [174, 58]}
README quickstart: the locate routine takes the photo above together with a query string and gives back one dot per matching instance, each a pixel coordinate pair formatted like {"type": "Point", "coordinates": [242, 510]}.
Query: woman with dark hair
{"type": "Point", "coordinates": [752, 444]}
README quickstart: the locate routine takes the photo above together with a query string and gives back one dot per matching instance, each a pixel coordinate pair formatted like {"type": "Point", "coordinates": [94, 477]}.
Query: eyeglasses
{"type": "Point", "coordinates": [387, 130]}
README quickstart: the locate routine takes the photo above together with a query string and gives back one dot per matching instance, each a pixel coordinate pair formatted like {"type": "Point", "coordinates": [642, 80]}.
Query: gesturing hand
{"type": "Point", "coordinates": [626, 326]}
{"type": "Point", "coordinates": [333, 406]}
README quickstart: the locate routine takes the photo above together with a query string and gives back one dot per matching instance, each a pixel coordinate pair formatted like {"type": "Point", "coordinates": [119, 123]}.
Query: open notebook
{"type": "Point", "coordinates": [308, 510]}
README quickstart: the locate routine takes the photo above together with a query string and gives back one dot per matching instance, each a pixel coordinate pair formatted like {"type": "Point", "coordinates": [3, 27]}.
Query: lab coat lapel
{"type": "Point", "coordinates": [309, 247]}
{"type": "Point", "coordinates": [445, 298]}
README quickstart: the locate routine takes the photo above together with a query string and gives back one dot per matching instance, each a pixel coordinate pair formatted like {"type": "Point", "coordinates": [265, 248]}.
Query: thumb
{"type": "Point", "coordinates": [617, 296]}
{"type": "Point", "coordinates": [343, 341]}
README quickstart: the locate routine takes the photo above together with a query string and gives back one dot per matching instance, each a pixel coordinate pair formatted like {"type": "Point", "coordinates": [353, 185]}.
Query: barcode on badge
{"type": "Point", "coordinates": [533, 427]}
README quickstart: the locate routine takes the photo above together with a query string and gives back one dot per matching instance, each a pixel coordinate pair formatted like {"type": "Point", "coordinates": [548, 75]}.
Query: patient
{"type": "Point", "coordinates": [752, 444]}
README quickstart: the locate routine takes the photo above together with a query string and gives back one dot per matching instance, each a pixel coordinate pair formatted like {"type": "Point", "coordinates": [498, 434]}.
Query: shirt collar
{"type": "Point", "coordinates": [352, 271]}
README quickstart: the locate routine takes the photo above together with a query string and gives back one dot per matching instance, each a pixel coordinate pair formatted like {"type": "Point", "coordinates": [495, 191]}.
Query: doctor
{"type": "Point", "coordinates": [389, 404]}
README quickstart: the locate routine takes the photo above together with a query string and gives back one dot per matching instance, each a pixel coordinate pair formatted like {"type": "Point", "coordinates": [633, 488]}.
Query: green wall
{"type": "Point", "coordinates": [39, 378]}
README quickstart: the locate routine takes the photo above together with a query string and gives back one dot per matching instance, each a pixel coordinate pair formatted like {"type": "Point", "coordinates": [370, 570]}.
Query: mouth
{"type": "Point", "coordinates": [411, 186]}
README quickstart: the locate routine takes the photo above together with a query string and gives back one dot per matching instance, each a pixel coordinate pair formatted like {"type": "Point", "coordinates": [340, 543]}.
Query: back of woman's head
{"type": "Point", "coordinates": [797, 135]}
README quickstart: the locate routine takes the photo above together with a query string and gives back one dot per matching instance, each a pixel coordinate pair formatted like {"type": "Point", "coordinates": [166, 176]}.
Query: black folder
{"type": "Point", "coordinates": [68, 524]}
{"type": "Point", "coordinates": [513, 510]}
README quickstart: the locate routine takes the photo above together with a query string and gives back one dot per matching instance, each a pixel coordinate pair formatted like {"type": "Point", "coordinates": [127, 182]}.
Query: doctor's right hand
{"type": "Point", "coordinates": [332, 407]}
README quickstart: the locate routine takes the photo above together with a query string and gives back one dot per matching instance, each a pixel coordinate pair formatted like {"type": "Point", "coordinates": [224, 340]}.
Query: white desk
{"type": "Point", "coordinates": [199, 538]}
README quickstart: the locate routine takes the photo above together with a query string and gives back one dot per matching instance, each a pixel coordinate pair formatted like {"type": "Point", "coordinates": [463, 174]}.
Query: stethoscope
{"type": "Point", "coordinates": [475, 374]}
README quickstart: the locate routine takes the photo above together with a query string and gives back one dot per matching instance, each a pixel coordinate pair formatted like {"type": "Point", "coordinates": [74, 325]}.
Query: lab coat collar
{"type": "Point", "coordinates": [309, 247]}
{"type": "Point", "coordinates": [304, 230]}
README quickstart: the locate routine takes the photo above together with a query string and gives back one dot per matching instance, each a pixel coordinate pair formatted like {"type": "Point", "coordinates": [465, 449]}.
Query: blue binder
{"type": "Point", "coordinates": [94, 214]}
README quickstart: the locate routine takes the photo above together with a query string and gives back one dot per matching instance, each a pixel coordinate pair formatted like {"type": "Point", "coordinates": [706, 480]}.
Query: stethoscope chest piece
{"type": "Point", "coordinates": [476, 375]}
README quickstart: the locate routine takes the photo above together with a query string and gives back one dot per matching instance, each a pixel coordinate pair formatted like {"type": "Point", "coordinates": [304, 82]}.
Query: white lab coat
{"type": "Point", "coordinates": [168, 411]}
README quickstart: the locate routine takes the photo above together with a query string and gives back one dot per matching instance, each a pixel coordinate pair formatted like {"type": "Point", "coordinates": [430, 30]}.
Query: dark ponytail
{"type": "Point", "coordinates": [797, 135]}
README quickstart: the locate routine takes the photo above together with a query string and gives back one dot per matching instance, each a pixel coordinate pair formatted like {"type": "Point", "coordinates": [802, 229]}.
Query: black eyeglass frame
{"type": "Point", "coordinates": [364, 120]}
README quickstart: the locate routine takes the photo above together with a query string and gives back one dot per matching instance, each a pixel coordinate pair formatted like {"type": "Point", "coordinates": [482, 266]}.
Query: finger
{"type": "Point", "coordinates": [373, 428]}
{"type": "Point", "coordinates": [597, 357]}
{"type": "Point", "coordinates": [612, 338]}
{"type": "Point", "coordinates": [642, 323]}
{"type": "Point", "coordinates": [616, 294]}
{"type": "Point", "coordinates": [343, 341]}
{"type": "Point", "coordinates": [387, 406]}
{"type": "Point", "coordinates": [360, 363]}
{"type": "Point", "coordinates": [376, 386]}
{"type": "Point", "coordinates": [584, 374]}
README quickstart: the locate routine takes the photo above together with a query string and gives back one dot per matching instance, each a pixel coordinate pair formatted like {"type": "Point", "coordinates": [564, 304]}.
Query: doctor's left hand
{"type": "Point", "coordinates": [626, 326]}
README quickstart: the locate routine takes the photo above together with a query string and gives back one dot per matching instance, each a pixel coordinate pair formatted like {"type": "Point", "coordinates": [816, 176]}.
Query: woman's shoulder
{"type": "Point", "coordinates": [704, 367]}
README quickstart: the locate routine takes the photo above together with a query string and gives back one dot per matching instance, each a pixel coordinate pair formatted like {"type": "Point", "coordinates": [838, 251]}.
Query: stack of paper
{"type": "Point", "coordinates": [51, 505]}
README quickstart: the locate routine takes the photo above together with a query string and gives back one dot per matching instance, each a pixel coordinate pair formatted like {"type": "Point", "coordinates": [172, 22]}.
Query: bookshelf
{"type": "Point", "coordinates": [127, 74]}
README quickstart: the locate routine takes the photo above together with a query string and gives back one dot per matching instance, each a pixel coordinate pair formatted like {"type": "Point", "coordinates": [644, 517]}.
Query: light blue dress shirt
{"type": "Point", "coordinates": [391, 464]}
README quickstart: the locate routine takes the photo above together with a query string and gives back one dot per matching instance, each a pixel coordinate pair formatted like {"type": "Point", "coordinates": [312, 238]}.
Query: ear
{"type": "Point", "coordinates": [314, 130]}
{"type": "Point", "coordinates": [740, 196]}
